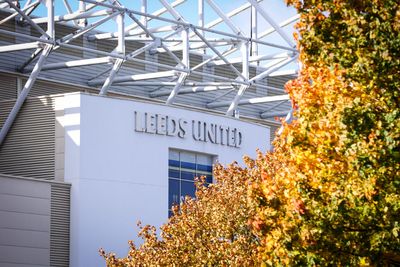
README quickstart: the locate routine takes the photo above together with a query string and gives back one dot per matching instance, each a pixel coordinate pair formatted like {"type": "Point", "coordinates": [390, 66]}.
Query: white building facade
{"type": "Point", "coordinates": [118, 159]}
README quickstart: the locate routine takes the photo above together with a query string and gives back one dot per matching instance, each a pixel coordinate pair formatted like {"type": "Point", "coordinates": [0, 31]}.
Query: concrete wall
{"type": "Point", "coordinates": [120, 176]}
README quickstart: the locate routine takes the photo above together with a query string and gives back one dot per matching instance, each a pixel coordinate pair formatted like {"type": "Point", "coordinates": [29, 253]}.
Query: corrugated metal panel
{"type": "Point", "coordinates": [28, 149]}
{"type": "Point", "coordinates": [59, 225]}
{"type": "Point", "coordinates": [8, 26]}
{"type": "Point", "coordinates": [8, 87]}
{"type": "Point", "coordinates": [42, 88]}
{"type": "Point", "coordinates": [279, 82]}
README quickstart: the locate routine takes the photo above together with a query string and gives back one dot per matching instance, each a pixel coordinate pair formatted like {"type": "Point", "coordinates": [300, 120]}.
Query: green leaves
{"type": "Point", "coordinates": [341, 156]}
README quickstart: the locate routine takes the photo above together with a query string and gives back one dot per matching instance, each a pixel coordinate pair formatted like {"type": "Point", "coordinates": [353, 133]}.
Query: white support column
{"type": "Point", "coordinates": [185, 62]}
{"type": "Point", "coordinates": [244, 49]}
{"type": "Point", "coordinates": [24, 93]}
{"type": "Point", "coordinates": [185, 48]}
{"type": "Point", "coordinates": [264, 14]}
{"type": "Point", "coordinates": [51, 29]}
{"type": "Point", "coordinates": [120, 49]}
{"type": "Point", "coordinates": [245, 71]}
{"type": "Point", "coordinates": [201, 18]}
{"type": "Point", "coordinates": [121, 36]}
{"type": "Point", "coordinates": [82, 9]}
{"type": "Point", "coordinates": [143, 9]}
{"type": "Point", "coordinates": [254, 35]}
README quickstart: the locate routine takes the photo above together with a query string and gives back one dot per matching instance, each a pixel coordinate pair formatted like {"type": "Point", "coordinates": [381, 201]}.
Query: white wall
{"type": "Point", "coordinates": [120, 176]}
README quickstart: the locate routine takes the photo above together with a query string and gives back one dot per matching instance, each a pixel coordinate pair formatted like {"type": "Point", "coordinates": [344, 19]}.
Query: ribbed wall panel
{"type": "Point", "coordinates": [279, 82]}
{"type": "Point", "coordinates": [59, 225]}
{"type": "Point", "coordinates": [8, 26]}
{"type": "Point", "coordinates": [42, 88]}
{"type": "Point", "coordinates": [28, 149]}
{"type": "Point", "coordinates": [8, 87]}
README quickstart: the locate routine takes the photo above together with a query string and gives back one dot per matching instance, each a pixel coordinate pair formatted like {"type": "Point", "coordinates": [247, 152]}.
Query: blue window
{"type": "Point", "coordinates": [183, 167]}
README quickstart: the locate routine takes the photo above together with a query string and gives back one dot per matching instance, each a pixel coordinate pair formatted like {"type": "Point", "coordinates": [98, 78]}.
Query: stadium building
{"type": "Point", "coordinates": [108, 112]}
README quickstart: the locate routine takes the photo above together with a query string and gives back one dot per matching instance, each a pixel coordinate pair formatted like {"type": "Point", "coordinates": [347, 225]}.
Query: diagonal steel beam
{"type": "Point", "coordinates": [24, 93]}
{"type": "Point", "coordinates": [17, 47]}
{"type": "Point", "coordinates": [268, 18]}
{"type": "Point", "coordinates": [250, 101]}
{"type": "Point", "coordinates": [16, 13]}
{"type": "Point", "coordinates": [27, 18]}
{"type": "Point", "coordinates": [174, 91]}
{"type": "Point", "coordinates": [225, 18]}
{"type": "Point", "coordinates": [193, 89]}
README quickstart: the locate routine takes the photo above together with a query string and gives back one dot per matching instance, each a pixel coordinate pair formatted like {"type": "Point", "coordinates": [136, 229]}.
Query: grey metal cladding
{"type": "Point", "coordinates": [8, 87]}
{"type": "Point", "coordinates": [34, 222]}
{"type": "Point", "coordinates": [29, 147]}
{"type": "Point", "coordinates": [24, 222]}
{"type": "Point", "coordinates": [60, 225]}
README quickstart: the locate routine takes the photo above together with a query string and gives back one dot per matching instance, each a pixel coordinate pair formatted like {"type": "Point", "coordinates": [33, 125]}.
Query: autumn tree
{"type": "Point", "coordinates": [330, 194]}
{"type": "Point", "coordinates": [211, 230]}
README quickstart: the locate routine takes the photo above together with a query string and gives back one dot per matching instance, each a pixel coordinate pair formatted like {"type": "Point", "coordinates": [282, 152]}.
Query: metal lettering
{"type": "Point", "coordinates": [138, 122]}
{"type": "Point", "coordinates": [182, 128]}
{"type": "Point", "coordinates": [201, 131]}
{"type": "Point", "coordinates": [239, 138]}
{"type": "Point", "coordinates": [212, 132]}
{"type": "Point", "coordinates": [150, 123]}
{"type": "Point", "coordinates": [198, 130]}
{"type": "Point", "coordinates": [161, 124]}
{"type": "Point", "coordinates": [223, 134]}
{"type": "Point", "coordinates": [172, 126]}
{"type": "Point", "coordinates": [231, 137]}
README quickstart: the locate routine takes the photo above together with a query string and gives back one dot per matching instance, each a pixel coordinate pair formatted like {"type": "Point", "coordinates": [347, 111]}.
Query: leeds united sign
{"type": "Point", "coordinates": [154, 123]}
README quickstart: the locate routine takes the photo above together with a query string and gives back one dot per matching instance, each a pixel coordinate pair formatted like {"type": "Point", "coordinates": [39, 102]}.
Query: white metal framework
{"type": "Point", "coordinates": [230, 48]}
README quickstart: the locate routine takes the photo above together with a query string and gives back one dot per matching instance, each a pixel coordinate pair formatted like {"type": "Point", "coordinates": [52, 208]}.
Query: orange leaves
{"type": "Point", "coordinates": [334, 170]}
{"type": "Point", "coordinates": [213, 229]}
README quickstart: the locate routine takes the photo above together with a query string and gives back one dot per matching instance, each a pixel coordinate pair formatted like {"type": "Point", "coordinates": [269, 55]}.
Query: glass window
{"type": "Point", "coordinates": [183, 167]}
